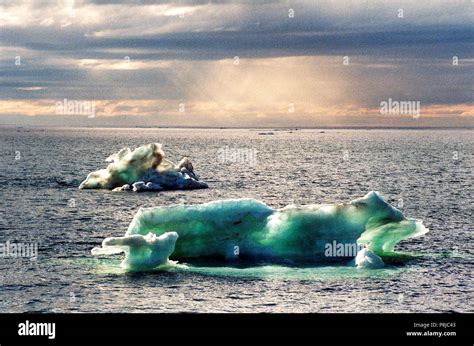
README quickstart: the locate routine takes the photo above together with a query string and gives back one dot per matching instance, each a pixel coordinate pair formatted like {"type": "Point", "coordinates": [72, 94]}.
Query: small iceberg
{"type": "Point", "coordinates": [143, 169]}
{"type": "Point", "coordinates": [246, 229]}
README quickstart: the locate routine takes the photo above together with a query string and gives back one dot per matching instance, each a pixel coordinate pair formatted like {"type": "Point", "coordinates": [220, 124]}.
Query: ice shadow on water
{"type": "Point", "coordinates": [395, 264]}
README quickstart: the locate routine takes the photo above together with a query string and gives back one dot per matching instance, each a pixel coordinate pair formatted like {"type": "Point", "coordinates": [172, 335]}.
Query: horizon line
{"type": "Point", "coordinates": [274, 128]}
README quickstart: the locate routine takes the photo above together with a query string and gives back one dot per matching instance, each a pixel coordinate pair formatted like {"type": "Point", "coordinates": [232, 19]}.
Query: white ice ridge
{"type": "Point", "coordinates": [250, 230]}
{"type": "Point", "coordinates": [142, 252]}
{"type": "Point", "coordinates": [143, 169]}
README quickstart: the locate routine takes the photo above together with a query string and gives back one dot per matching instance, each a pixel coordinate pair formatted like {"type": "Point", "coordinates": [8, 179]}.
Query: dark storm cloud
{"type": "Point", "coordinates": [431, 43]}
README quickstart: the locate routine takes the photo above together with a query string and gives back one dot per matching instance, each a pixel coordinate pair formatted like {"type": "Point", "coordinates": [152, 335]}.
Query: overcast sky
{"type": "Point", "coordinates": [266, 63]}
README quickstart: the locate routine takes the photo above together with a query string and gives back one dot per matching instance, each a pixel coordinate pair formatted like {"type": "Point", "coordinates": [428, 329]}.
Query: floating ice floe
{"type": "Point", "coordinates": [143, 169]}
{"type": "Point", "coordinates": [247, 229]}
{"type": "Point", "coordinates": [367, 259]}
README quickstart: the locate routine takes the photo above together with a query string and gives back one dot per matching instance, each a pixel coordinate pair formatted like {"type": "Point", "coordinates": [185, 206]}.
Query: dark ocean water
{"type": "Point", "coordinates": [425, 173]}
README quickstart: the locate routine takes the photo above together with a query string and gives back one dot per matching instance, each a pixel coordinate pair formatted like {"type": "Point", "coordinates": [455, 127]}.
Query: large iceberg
{"type": "Point", "coordinates": [250, 230]}
{"type": "Point", "coordinates": [143, 169]}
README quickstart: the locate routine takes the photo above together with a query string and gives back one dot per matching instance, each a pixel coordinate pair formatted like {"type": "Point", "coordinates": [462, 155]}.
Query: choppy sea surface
{"type": "Point", "coordinates": [425, 173]}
